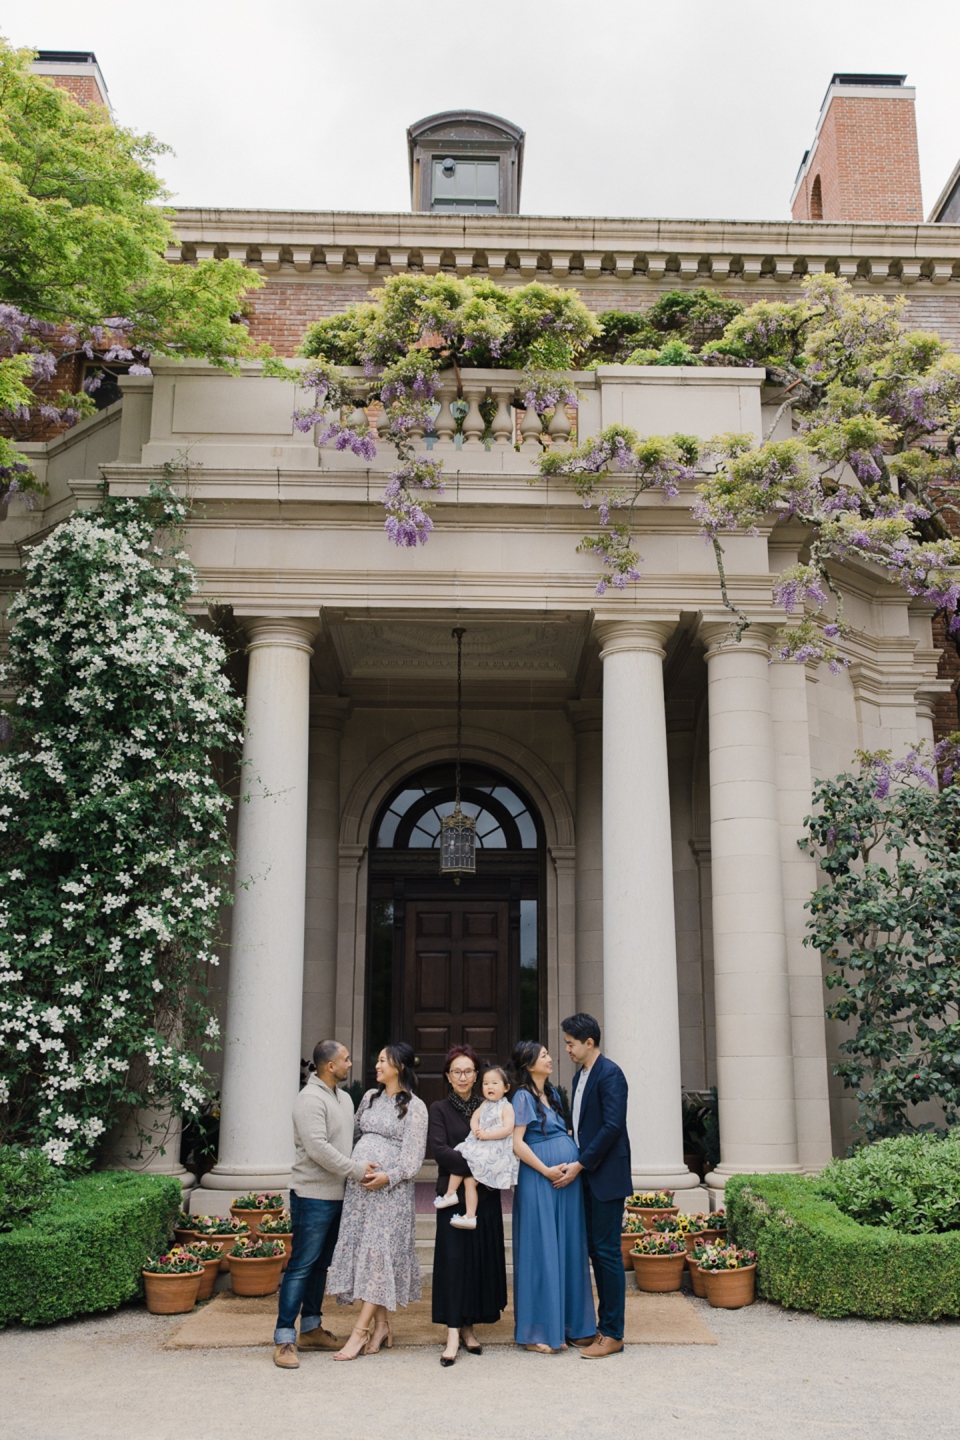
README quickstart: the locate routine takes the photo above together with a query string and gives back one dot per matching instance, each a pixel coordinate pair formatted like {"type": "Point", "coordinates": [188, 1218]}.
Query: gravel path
{"type": "Point", "coordinates": [773, 1374]}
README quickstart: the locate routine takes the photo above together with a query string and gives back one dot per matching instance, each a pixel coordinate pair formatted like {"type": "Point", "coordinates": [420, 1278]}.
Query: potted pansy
{"type": "Point", "coordinates": [729, 1276]}
{"type": "Point", "coordinates": [687, 1228]}
{"type": "Point", "coordinates": [694, 1257]}
{"type": "Point", "coordinates": [254, 1206]}
{"type": "Point", "coordinates": [715, 1230]}
{"type": "Point", "coordinates": [255, 1266]}
{"type": "Point", "coordinates": [650, 1205]}
{"type": "Point", "coordinates": [183, 1228]}
{"type": "Point", "coordinates": [171, 1281]}
{"type": "Point", "coordinates": [222, 1230]}
{"type": "Point", "coordinates": [658, 1261]}
{"type": "Point", "coordinates": [279, 1227]}
{"type": "Point", "coordinates": [631, 1227]}
{"type": "Point", "coordinates": [210, 1257]}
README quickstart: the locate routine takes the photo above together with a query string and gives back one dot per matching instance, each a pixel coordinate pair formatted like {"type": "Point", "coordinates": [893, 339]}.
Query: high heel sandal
{"type": "Point", "coordinates": [385, 1339]}
{"type": "Point", "coordinates": [357, 1330]}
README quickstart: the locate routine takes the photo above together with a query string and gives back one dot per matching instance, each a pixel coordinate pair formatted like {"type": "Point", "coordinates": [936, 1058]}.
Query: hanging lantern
{"type": "Point", "coordinates": [458, 832]}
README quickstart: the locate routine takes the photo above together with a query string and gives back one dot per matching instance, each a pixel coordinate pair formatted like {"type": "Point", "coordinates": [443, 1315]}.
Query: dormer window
{"type": "Point", "coordinates": [465, 186]}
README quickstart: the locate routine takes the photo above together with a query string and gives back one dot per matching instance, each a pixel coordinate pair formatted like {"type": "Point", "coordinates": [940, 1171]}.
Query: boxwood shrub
{"type": "Point", "coordinates": [810, 1256]}
{"type": "Point", "coordinates": [85, 1252]}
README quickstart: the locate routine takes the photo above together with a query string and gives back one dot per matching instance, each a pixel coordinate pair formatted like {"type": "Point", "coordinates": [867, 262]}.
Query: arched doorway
{"type": "Point", "coordinates": [450, 963]}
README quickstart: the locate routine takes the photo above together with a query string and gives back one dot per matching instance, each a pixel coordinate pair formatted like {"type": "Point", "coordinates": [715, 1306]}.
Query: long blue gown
{"type": "Point", "coordinates": [552, 1296]}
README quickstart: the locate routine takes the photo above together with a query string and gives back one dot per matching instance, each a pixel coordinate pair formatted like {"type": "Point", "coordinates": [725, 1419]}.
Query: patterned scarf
{"type": "Point", "coordinates": [464, 1107]}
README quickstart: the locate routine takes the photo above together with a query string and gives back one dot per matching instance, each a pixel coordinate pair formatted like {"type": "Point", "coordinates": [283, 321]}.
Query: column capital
{"type": "Point", "coordinates": [280, 631]}
{"type": "Point", "coordinates": [633, 634]}
{"type": "Point", "coordinates": [329, 712]}
{"type": "Point", "coordinates": [718, 638]}
{"type": "Point", "coordinates": [586, 716]}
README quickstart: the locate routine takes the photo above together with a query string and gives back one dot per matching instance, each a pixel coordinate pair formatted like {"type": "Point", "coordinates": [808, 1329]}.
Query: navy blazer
{"type": "Point", "coordinates": [602, 1132]}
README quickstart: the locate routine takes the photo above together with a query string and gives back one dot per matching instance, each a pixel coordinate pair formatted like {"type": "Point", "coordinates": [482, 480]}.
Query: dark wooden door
{"type": "Point", "coordinates": [456, 983]}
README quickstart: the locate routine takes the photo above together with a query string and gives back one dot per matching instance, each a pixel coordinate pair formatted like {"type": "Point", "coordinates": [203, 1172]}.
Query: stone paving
{"type": "Point", "coordinates": [773, 1373]}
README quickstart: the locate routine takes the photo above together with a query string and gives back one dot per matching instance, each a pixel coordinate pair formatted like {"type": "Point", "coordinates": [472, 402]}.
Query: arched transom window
{"type": "Point", "coordinates": [412, 817]}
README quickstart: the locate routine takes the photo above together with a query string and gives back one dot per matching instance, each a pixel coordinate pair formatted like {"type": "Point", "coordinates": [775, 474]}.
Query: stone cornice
{"type": "Point", "coordinates": [369, 246]}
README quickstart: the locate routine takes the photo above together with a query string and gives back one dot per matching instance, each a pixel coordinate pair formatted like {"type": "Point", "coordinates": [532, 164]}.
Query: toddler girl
{"type": "Point", "coordinates": [488, 1149]}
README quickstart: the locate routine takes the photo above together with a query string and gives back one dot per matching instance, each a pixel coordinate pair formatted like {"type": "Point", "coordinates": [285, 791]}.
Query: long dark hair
{"type": "Point", "coordinates": [524, 1055]}
{"type": "Point", "coordinates": [401, 1058]}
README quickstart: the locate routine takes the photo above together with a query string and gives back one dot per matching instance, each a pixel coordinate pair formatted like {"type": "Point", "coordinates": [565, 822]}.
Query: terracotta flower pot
{"type": "Point", "coordinates": [211, 1269]}
{"type": "Point", "coordinates": [223, 1244]}
{"type": "Point", "coordinates": [710, 1237]}
{"type": "Point", "coordinates": [694, 1238]}
{"type": "Point", "coordinates": [287, 1243]}
{"type": "Point", "coordinates": [696, 1277]}
{"type": "Point", "coordinates": [657, 1273]}
{"type": "Point", "coordinates": [255, 1277]}
{"type": "Point", "coordinates": [185, 1237]}
{"type": "Point", "coordinates": [731, 1289]}
{"type": "Point", "coordinates": [650, 1216]}
{"type": "Point", "coordinates": [171, 1294]}
{"type": "Point", "coordinates": [253, 1217]}
{"type": "Point", "coordinates": [627, 1242]}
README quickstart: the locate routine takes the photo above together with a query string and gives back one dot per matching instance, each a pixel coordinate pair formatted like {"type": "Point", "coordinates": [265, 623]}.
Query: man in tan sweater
{"type": "Point", "coordinates": [323, 1133]}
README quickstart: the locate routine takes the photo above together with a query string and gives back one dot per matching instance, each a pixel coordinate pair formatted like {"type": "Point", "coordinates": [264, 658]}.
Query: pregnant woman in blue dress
{"type": "Point", "coordinates": [552, 1297]}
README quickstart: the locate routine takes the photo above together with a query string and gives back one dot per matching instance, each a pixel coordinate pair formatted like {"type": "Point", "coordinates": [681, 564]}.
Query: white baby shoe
{"type": "Point", "coordinates": [464, 1222]}
{"type": "Point", "coordinates": [443, 1202]}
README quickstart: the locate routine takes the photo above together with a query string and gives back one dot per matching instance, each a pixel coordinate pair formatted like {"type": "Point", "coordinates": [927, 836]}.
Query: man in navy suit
{"type": "Point", "coordinates": [600, 1132]}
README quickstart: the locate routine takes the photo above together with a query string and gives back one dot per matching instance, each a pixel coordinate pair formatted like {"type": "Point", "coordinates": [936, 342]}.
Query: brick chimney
{"type": "Point", "coordinates": [863, 163]}
{"type": "Point", "coordinates": [75, 71]}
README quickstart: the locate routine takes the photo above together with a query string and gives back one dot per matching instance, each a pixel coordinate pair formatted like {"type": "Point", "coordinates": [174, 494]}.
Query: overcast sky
{"type": "Point", "coordinates": [631, 107]}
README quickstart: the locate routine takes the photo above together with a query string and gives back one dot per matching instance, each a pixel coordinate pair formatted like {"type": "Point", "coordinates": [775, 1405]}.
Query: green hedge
{"type": "Point", "coordinates": [810, 1256]}
{"type": "Point", "coordinates": [86, 1251]}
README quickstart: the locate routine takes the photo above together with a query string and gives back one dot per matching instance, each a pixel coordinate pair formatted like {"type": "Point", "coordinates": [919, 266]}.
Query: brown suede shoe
{"type": "Point", "coordinates": [582, 1344]}
{"type": "Point", "coordinates": [286, 1357]}
{"type": "Point", "coordinates": [318, 1339]}
{"type": "Point", "coordinates": [601, 1348]}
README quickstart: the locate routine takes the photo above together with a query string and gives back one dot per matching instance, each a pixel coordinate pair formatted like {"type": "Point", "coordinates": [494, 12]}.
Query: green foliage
{"type": "Point", "coordinates": [27, 1185]}
{"type": "Point", "coordinates": [887, 919]}
{"type": "Point", "coordinates": [472, 322]}
{"type": "Point", "coordinates": [85, 1252]}
{"type": "Point", "coordinates": [811, 1256]}
{"type": "Point", "coordinates": [673, 331]}
{"type": "Point", "coordinates": [114, 848]}
{"type": "Point", "coordinates": [910, 1183]}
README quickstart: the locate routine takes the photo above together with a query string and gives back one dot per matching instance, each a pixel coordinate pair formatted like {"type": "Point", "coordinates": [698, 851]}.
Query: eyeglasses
{"type": "Point", "coordinates": [462, 1074]}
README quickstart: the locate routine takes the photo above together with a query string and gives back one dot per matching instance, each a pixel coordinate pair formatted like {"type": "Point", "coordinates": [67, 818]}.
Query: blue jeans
{"type": "Point", "coordinates": [604, 1222]}
{"type": "Point", "coordinates": [316, 1225]}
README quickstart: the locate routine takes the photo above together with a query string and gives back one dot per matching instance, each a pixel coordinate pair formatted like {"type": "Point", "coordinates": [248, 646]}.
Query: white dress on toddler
{"type": "Point", "coordinates": [492, 1162]}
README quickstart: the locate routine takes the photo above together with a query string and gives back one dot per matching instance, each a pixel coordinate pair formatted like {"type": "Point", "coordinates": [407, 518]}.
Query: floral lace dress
{"type": "Point", "coordinates": [376, 1257]}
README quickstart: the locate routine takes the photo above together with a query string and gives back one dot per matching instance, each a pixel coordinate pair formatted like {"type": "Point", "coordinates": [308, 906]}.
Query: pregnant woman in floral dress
{"type": "Point", "coordinates": [376, 1260]}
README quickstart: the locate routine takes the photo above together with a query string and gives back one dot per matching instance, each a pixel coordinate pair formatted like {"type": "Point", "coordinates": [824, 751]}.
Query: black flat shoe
{"type": "Point", "coordinates": [473, 1349]}
{"type": "Point", "coordinates": [444, 1360]}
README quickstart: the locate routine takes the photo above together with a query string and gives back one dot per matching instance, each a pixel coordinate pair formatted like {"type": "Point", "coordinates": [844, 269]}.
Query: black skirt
{"type": "Point", "coordinates": [469, 1267]}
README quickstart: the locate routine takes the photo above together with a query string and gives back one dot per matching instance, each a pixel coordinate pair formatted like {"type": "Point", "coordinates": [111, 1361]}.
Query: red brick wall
{"type": "Point", "coordinates": [83, 88]}
{"type": "Point", "coordinates": [867, 161]}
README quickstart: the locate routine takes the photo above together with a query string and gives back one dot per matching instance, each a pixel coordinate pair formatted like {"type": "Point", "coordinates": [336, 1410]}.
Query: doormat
{"type": "Point", "coordinates": [233, 1320]}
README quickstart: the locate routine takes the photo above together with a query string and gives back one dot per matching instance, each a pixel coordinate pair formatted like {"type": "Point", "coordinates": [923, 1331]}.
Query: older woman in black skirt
{"type": "Point", "coordinates": [469, 1268]}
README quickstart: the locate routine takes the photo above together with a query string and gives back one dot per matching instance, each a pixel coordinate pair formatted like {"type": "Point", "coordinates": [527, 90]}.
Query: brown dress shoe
{"type": "Point", "coordinates": [601, 1348]}
{"type": "Point", "coordinates": [286, 1357]}
{"type": "Point", "coordinates": [582, 1344]}
{"type": "Point", "coordinates": [318, 1339]}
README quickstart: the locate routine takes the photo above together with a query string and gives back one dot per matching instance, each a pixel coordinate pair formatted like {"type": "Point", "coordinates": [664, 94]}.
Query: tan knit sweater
{"type": "Point", "coordinates": [323, 1133]}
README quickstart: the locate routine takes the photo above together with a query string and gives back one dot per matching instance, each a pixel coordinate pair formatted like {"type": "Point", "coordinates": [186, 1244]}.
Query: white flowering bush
{"type": "Point", "coordinates": [113, 839]}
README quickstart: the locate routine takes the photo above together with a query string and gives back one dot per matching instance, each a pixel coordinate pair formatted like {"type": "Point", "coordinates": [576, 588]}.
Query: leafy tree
{"type": "Point", "coordinates": [82, 268]}
{"type": "Point", "coordinates": [887, 919]}
{"type": "Point", "coordinates": [113, 840]}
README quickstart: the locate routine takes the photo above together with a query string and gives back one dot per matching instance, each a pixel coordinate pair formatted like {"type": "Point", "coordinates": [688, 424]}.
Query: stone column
{"type": "Point", "coordinates": [328, 715]}
{"type": "Point", "coordinates": [261, 1040]}
{"type": "Point", "coordinates": [586, 717]}
{"type": "Point", "coordinates": [642, 1031]}
{"type": "Point", "coordinates": [758, 1128]}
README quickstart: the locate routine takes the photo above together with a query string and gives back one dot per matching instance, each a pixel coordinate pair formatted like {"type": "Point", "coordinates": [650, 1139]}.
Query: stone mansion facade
{"type": "Point", "coordinates": [640, 782]}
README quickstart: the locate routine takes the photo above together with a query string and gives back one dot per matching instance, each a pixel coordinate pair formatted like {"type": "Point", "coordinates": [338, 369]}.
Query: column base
{"type": "Point", "coordinates": [718, 1178]}
{"type": "Point", "coordinates": [238, 1179]}
{"type": "Point", "coordinates": [665, 1179]}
